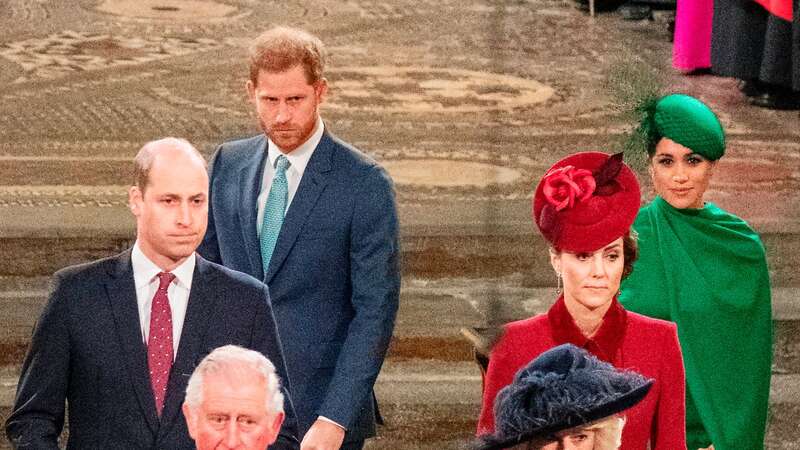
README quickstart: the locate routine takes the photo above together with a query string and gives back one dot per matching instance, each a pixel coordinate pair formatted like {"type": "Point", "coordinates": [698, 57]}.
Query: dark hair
{"type": "Point", "coordinates": [630, 250]}
{"type": "Point", "coordinates": [282, 48]}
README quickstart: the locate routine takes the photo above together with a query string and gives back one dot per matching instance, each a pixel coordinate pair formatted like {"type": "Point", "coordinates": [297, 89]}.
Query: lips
{"type": "Point", "coordinates": [183, 236]}
{"type": "Point", "coordinates": [681, 191]}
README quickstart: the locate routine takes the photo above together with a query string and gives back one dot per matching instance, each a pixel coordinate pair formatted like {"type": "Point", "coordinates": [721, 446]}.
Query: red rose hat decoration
{"type": "Point", "coordinates": [586, 201]}
{"type": "Point", "coordinates": [563, 185]}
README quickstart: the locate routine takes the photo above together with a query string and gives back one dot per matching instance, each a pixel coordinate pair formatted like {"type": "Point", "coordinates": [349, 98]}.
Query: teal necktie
{"type": "Point", "coordinates": [274, 211]}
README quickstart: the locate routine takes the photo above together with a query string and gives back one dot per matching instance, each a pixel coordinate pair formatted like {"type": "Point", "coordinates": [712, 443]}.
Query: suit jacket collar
{"type": "Point", "coordinates": [121, 292]}
{"type": "Point", "coordinates": [250, 178]}
{"type": "Point", "coordinates": [122, 298]}
{"type": "Point", "coordinates": [315, 178]}
{"type": "Point", "coordinates": [605, 344]}
{"type": "Point", "coordinates": [192, 343]}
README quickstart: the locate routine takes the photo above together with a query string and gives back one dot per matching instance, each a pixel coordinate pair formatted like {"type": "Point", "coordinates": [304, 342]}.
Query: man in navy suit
{"type": "Point", "coordinates": [119, 337]}
{"type": "Point", "coordinates": [316, 220]}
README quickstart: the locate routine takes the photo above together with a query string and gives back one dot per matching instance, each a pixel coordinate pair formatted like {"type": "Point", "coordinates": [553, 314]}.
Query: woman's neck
{"type": "Point", "coordinates": [587, 320]}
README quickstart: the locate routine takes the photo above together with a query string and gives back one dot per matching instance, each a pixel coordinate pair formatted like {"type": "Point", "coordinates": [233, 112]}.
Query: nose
{"type": "Point", "coordinates": [232, 435]}
{"type": "Point", "coordinates": [598, 268]}
{"type": "Point", "coordinates": [679, 175]}
{"type": "Point", "coordinates": [284, 114]}
{"type": "Point", "coordinates": [185, 215]}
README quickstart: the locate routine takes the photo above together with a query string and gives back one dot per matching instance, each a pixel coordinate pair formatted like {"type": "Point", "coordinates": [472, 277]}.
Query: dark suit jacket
{"type": "Point", "coordinates": [333, 277]}
{"type": "Point", "coordinates": [87, 349]}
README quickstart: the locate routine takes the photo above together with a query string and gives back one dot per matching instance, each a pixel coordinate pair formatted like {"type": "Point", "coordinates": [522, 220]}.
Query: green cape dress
{"type": "Point", "coordinates": [705, 269]}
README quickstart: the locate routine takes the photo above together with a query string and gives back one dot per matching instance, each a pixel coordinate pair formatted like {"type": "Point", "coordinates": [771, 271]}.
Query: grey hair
{"type": "Point", "coordinates": [237, 361]}
{"type": "Point", "coordinates": [144, 159]}
{"type": "Point", "coordinates": [607, 432]}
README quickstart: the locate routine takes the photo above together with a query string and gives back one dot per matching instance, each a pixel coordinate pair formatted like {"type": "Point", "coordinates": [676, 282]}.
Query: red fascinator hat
{"type": "Point", "coordinates": [585, 201]}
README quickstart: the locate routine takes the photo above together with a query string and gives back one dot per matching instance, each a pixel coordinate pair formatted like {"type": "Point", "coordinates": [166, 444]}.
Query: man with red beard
{"type": "Point", "coordinates": [315, 219]}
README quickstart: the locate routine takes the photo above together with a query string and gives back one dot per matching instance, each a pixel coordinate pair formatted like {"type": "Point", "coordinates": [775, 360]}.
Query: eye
{"type": "Point", "coordinates": [217, 419]}
{"type": "Point", "coordinates": [612, 256]}
{"type": "Point", "coordinates": [246, 421]}
{"type": "Point", "coordinates": [583, 256]}
{"type": "Point", "coordinates": [580, 437]}
{"type": "Point", "coordinates": [666, 162]}
{"type": "Point", "coordinates": [694, 160]}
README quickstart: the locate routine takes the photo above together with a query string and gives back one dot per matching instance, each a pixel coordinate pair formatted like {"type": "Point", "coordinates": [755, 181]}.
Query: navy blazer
{"type": "Point", "coordinates": [87, 349]}
{"type": "Point", "coordinates": [334, 276]}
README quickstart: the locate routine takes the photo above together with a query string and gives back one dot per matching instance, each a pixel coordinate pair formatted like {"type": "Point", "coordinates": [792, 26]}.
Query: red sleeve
{"type": "Point", "coordinates": [499, 374]}
{"type": "Point", "coordinates": [669, 426]}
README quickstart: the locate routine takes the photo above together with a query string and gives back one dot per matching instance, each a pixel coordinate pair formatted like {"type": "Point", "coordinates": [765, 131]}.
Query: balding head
{"type": "Point", "coordinates": [169, 146]}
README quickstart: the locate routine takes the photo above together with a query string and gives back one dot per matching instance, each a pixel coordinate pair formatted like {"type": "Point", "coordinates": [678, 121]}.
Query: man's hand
{"type": "Point", "coordinates": [323, 436]}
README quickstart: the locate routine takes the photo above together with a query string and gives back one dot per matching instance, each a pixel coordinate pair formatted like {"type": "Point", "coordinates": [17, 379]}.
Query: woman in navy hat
{"type": "Point", "coordinates": [584, 207]}
{"type": "Point", "coordinates": [565, 399]}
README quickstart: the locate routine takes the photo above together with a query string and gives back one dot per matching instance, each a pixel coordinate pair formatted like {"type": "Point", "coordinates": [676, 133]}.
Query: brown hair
{"type": "Point", "coordinates": [143, 161]}
{"type": "Point", "coordinates": [630, 250]}
{"type": "Point", "coordinates": [282, 48]}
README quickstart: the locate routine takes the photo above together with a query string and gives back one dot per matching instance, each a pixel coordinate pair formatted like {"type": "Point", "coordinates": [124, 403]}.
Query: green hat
{"type": "Point", "coordinates": [687, 121]}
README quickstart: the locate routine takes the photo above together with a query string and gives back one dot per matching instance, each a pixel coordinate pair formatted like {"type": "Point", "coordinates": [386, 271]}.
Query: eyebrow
{"type": "Point", "coordinates": [612, 247]}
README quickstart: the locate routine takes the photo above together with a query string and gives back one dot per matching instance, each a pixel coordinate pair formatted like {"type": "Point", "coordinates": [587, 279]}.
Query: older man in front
{"type": "Point", "coordinates": [233, 401]}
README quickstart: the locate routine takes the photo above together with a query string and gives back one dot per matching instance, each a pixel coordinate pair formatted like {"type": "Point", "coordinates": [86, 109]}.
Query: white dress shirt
{"type": "Point", "coordinates": [298, 159]}
{"type": "Point", "coordinates": [145, 276]}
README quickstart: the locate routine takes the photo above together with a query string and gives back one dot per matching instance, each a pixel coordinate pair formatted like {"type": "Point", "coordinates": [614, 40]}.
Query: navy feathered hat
{"type": "Point", "coordinates": [563, 388]}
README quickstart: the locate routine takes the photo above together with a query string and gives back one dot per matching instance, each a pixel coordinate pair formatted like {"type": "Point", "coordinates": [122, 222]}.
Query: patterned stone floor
{"type": "Point", "coordinates": [431, 89]}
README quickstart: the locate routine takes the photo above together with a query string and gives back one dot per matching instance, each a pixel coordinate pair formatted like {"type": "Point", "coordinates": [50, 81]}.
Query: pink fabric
{"type": "Point", "coordinates": [159, 343]}
{"type": "Point", "coordinates": [692, 49]}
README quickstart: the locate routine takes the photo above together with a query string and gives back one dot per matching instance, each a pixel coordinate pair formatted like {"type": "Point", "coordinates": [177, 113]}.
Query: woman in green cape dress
{"type": "Point", "coordinates": [704, 269]}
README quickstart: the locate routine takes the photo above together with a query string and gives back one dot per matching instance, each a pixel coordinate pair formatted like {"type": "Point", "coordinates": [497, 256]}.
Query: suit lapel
{"type": "Point", "coordinates": [314, 180]}
{"type": "Point", "coordinates": [250, 178]}
{"type": "Point", "coordinates": [121, 291]}
{"type": "Point", "coordinates": [192, 343]}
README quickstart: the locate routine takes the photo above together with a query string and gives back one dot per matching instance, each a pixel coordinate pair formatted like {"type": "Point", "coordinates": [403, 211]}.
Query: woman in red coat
{"type": "Point", "coordinates": [584, 207]}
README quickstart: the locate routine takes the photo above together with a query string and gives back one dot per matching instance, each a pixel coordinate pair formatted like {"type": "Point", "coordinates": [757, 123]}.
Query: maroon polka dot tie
{"type": "Point", "coordinates": [159, 344]}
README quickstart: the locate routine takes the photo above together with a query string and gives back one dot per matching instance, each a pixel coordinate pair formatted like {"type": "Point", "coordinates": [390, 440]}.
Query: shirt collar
{"type": "Point", "coordinates": [298, 158]}
{"type": "Point", "coordinates": [145, 270]}
{"type": "Point", "coordinates": [604, 344]}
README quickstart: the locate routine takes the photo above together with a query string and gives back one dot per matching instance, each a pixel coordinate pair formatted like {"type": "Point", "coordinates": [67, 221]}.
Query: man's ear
{"type": "Point", "coordinates": [191, 420]}
{"type": "Point", "coordinates": [321, 89]}
{"type": "Point", "coordinates": [251, 90]}
{"type": "Point", "coordinates": [275, 427]}
{"type": "Point", "coordinates": [135, 199]}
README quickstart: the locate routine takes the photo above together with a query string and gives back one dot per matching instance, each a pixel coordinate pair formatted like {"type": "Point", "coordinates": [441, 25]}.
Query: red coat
{"type": "Point", "coordinates": [625, 339]}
